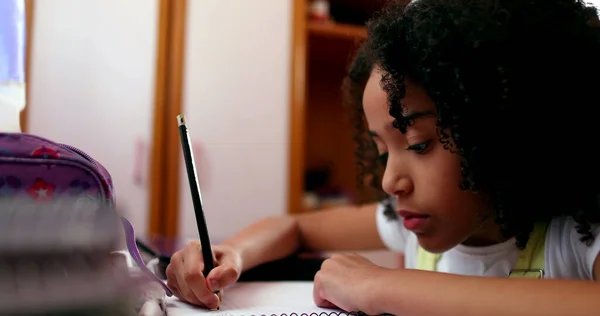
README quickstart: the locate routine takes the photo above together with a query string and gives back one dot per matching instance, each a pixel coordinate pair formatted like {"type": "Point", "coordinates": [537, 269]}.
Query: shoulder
{"type": "Point", "coordinates": [566, 255]}
{"type": "Point", "coordinates": [391, 231]}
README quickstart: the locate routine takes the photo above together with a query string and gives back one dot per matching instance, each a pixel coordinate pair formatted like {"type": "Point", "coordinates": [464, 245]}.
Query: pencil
{"type": "Point", "coordinates": [188, 156]}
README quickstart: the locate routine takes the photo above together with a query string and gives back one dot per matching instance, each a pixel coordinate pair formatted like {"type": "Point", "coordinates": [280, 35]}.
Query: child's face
{"type": "Point", "coordinates": [423, 176]}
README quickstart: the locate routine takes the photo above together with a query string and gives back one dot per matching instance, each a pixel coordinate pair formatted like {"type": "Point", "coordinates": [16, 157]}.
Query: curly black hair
{"type": "Point", "coordinates": [369, 168]}
{"type": "Point", "coordinates": [515, 85]}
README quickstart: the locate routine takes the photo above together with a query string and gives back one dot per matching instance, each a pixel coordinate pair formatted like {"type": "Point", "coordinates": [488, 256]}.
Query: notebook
{"type": "Point", "coordinates": [284, 298]}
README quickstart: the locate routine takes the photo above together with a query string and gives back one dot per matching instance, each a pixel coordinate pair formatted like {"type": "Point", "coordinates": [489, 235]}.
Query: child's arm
{"type": "Point", "coordinates": [268, 240]}
{"type": "Point", "coordinates": [334, 229]}
{"type": "Point", "coordinates": [413, 292]}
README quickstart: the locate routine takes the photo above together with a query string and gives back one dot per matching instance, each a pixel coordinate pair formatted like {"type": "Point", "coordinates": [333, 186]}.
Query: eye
{"type": "Point", "coordinates": [419, 148]}
{"type": "Point", "coordinates": [383, 158]}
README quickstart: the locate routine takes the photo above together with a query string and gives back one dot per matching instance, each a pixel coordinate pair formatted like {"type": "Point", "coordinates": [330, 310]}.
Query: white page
{"type": "Point", "coordinates": [260, 298]}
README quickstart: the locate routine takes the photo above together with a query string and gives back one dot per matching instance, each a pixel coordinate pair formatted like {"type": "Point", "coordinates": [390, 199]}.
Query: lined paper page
{"type": "Point", "coordinates": [259, 298]}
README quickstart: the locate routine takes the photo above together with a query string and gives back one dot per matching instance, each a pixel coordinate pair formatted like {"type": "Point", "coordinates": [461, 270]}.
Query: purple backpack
{"type": "Point", "coordinates": [40, 170]}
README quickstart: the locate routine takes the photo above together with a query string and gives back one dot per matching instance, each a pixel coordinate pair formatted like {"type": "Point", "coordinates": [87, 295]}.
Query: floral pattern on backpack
{"type": "Point", "coordinates": [41, 170]}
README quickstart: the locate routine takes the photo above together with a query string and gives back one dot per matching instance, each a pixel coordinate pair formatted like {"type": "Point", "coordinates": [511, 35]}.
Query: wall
{"type": "Point", "coordinates": [92, 82]}
{"type": "Point", "coordinates": [236, 98]}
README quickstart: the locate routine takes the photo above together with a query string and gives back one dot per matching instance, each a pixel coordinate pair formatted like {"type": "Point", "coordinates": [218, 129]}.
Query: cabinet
{"type": "Point", "coordinates": [322, 149]}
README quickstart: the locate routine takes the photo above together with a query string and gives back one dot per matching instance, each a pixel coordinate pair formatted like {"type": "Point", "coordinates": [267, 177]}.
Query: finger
{"type": "Point", "coordinates": [220, 295]}
{"type": "Point", "coordinates": [183, 285]}
{"type": "Point", "coordinates": [171, 274]}
{"type": "Point", "coordinates": [318, 293]}
{"type": "Point", "coordinates": [176, 279]}
{"type": "Point", "coordinates": [221, 276]}
{"type": "Point", "coordinates": [343, 257]}
{"type": "Point", "coordinates": [325, 304]}
{"type": "Point", "coordinates": [321, 301]}
{"type": "Point", "coordinates": [227, 269]}
{"type": "Point", "coordinates": [172, 285]}
{"type": "Point", "coordinates": [329, 264]}
{"type": "Point", "coordinates": [194, 279]}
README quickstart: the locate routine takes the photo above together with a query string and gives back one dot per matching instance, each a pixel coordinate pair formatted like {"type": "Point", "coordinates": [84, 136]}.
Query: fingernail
{"type": "Point", "coordinates": [217, 301]}
{"type": "Point", "coordinates": [214, 285]}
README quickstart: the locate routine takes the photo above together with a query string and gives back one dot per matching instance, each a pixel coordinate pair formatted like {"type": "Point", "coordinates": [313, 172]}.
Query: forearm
{"type": "Point", "coordinates": [267, 240]}
{"type": "Point", "coordinates": [413, 292]}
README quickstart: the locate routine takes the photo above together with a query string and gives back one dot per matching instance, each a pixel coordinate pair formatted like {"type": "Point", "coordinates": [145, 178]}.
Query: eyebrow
{"type": "Point", "coordinates": [409, 117]}
{"type": "Point", "coordinates": [373, 134]}
{"type": "Point", "coordinates": [418, 114]}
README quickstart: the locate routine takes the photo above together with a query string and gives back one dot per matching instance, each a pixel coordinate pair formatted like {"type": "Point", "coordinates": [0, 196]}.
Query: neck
{"type": "Point", "coordinates": [487, 234]}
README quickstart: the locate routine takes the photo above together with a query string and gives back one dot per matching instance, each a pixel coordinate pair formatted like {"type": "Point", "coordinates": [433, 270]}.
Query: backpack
{"type": "Point", "coordinates": [41, 243]}
{"type": "Point", "coordinates": [38, 170]}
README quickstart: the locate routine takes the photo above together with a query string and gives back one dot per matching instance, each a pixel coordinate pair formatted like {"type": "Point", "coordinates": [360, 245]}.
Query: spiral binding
{"type": "Point", "coordinates": [313, 314]}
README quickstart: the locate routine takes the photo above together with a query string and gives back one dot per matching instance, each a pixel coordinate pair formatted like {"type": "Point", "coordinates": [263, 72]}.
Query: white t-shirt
{"type": "Point", "coordinates": [565, 255]}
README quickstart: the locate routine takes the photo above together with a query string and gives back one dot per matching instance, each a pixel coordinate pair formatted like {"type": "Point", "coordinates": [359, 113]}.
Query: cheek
{"type": "Point", "coordinates": [457, 213]}
{"type": "Point", "coordinates": [441, 170]}
{"type": "Point", "coordinates": [439, 184]}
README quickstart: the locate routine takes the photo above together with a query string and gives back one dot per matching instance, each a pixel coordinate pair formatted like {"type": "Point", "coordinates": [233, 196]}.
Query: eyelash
{"type": "Point", "coordinates": [419, 148]}
{"type": "Point", "coordinates": [383, 158]}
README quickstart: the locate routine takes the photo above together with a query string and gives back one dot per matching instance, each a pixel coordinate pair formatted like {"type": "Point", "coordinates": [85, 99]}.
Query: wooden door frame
{"type": "Point", "coordinates": [164, 160]}
{"type": "Point", "coordinates": [297, 107]}
{"type": "Point", "coordinates": [29, 9]}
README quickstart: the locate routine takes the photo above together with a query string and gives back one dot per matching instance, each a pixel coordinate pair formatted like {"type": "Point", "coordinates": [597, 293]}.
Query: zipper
{"type": "Point", "coordinates": [81, 153]}
{"type": "Point", "coordinates": [90, 159]}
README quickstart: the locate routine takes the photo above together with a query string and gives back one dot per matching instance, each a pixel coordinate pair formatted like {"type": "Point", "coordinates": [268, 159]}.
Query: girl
{"type": "Point", "coordinates": [489, 141]}
{"type": "Point", "coordinates": [343, 228]}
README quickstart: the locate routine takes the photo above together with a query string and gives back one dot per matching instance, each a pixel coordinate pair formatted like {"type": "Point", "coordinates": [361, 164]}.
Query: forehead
{"type": "Point", "coordinates": [374, 98]}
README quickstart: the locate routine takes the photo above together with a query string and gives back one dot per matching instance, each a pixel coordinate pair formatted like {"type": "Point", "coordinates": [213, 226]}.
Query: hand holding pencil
{"type": "Point", "coordinates": [186, 279]}
{"type": "Point", "coordinates": [192, 275]}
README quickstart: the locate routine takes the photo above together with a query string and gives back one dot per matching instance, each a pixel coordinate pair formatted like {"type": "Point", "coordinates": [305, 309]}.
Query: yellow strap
{"type": "Point", "coordinates": [530, 263]}
{"type": "Point", "coordinates": [426, 260]}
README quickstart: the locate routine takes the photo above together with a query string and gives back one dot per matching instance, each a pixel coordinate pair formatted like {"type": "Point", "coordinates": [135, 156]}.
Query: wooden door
{"type": "Point", "coordinates": [236, 100]}
{"type": "Point", "coordinates": [92, 83]}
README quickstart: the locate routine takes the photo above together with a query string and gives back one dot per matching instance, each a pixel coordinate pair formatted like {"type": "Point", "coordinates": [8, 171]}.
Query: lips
{"type": "Point", "coordinates": [413, 221]}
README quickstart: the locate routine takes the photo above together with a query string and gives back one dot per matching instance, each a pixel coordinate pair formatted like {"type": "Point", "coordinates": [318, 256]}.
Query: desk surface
{"type": "Point", "coordinates": [298, 267]}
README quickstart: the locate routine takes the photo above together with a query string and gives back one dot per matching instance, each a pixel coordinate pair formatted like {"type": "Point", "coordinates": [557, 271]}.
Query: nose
{"type": "Point", "coordinates": [395, 182]}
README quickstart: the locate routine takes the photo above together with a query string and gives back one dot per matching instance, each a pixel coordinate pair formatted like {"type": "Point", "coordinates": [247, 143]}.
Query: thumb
{"type": "Point", "coordinates": [221, 276]}
{"type": "Point", "coordinates": [326, 304]}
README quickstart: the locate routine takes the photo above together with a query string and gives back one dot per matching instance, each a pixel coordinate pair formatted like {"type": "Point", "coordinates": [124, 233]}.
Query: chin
{"type": "Point", "coordinates": [435, 244]}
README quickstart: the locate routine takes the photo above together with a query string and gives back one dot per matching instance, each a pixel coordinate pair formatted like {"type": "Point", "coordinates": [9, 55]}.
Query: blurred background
{"type": "Point", "coordinates": [259, 82]}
